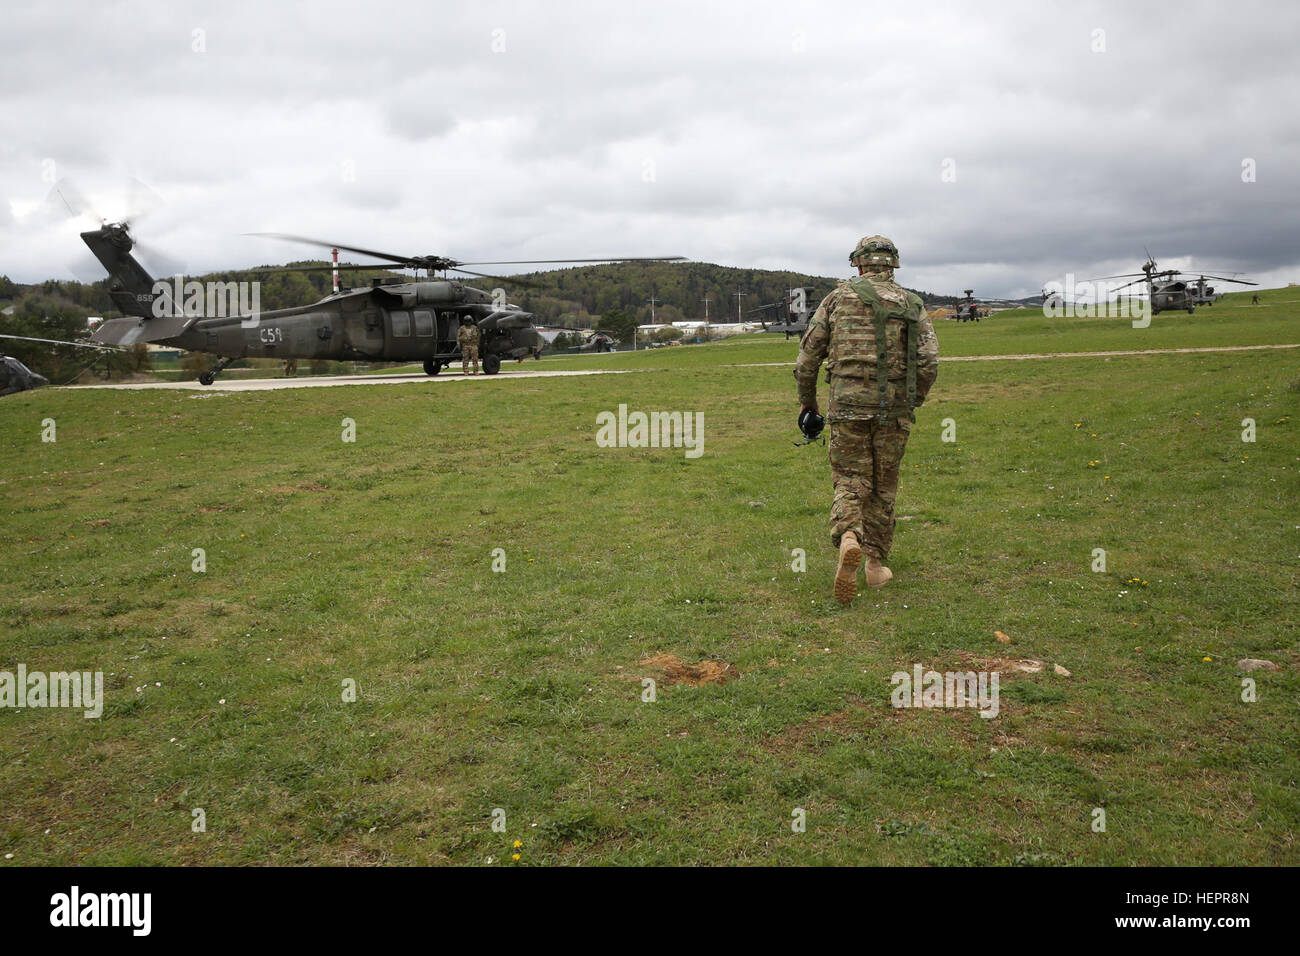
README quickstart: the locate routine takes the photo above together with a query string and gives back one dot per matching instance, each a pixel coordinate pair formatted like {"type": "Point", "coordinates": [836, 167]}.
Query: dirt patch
{"type": "Point", "coordinates": [804, 735]}
{"type": "Point", "coordinates": [674, 670]}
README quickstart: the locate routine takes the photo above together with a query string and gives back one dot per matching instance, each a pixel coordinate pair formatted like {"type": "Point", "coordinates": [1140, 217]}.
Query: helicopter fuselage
{"type": "Point", "coordinates": [1169, 297]}
{"type": "Point", "coordinates": [404, 322]}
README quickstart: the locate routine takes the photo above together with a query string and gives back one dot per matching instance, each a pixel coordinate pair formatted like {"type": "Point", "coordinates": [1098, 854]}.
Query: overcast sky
{"type": "Point", "coordinates": [1001, 145]}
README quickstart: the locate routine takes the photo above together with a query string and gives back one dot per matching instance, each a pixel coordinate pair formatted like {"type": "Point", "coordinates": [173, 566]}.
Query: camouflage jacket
{"type": "Point", "coordinates": [467, 336]}
{"type": "Point", "coordinates": [842, 333]}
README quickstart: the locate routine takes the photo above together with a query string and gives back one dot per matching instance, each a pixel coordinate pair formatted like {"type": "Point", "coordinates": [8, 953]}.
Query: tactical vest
{"type": "Point", "coordinates": [908, 312]}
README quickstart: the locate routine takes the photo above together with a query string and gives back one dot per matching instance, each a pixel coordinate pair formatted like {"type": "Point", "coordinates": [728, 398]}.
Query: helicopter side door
{"type": "Point", "coordinates": [363, 326]}
{"type": "Point", "coordinates": [411, 335]}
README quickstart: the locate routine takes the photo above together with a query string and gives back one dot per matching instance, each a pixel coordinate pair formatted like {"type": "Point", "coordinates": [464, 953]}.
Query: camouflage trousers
{"type": "Point", "coordinates": [865, 456]}
{"type": "Point", "coordinates": [468, 355]}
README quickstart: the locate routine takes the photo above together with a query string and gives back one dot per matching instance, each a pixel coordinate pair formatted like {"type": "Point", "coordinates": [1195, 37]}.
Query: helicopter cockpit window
{"type": "Point", "coordinates": [401, 323]}
{"type": "Point", "coordinates": [424, 323]}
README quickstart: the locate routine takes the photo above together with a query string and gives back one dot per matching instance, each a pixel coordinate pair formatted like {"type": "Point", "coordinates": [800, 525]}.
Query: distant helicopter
{"type": "Point", "coordinates": [600, 342]}
{"type": "Point", "coordinates": [968, 310]}
{"type": "Point", "coordinates": [389, 321]}
{"type": "Point", "coordinates": [1168, 292]}
{"type": "Point", "coordinates": [15, 376]}
{"type": "Point", "coordinates": [790, 315]}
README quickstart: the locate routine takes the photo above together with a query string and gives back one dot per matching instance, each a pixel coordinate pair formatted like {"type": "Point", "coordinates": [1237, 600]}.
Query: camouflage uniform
{"type": "Point", "coordinates": [467, 338]}
{"type": "Point", "coordinates": [867, 441]}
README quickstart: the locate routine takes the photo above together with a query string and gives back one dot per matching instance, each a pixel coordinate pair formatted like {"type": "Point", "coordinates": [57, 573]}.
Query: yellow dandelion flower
{"type": "Point", "coordinates": [514, 856]}
{"type": "Point", "coordinates": [1205, 659]}
{"type": "Point", "coordinates": [518, 844]}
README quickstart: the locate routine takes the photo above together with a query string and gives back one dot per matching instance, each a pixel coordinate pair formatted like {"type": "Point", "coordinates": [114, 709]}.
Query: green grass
{"type": "Point", "coordinates": [520, 690]}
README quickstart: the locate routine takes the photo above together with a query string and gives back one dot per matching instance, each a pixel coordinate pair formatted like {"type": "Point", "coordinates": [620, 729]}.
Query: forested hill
{"type": "Point", "coordinates": [578, 296]}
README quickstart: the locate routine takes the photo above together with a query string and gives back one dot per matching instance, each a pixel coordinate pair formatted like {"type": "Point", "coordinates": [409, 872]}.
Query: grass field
{"type": "Point", "coordinates": [371, 561]}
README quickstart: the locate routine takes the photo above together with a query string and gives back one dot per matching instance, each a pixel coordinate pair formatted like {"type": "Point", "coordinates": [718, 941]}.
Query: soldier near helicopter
{"type": "Point", "coordinates": [882, 358]}
{"type": "Point", "coordinates": [467, 339]}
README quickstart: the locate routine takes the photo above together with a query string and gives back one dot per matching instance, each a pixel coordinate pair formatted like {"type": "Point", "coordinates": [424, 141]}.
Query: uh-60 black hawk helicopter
{"type": "Point", "coordinates": [391, 320]}
{"type": "Point", "coordinates": [1173, 289]}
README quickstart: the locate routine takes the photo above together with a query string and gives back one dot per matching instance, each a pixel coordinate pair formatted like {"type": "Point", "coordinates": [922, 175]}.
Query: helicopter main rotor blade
{"type": "Point", "coordinates": [529, 262]}
{"type": "Point", "coordinates": [1206, 275]}
{"type": "Point", "coordinates": [1226, 279]}
{"type": "Point", "coordinates": [324, 267]}
{"type": "Point", "coordinates": [331, 245]}
{"type": "Point", "coordinates": [484, 275]}
{"type": "Point", "coordinates": [439, 262]}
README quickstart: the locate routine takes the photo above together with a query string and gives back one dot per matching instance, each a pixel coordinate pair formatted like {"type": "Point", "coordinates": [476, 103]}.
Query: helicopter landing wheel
{"type": "Point", "coordinates": [207, 378]}
{"type": "Point", "coordinates": [431, 367]}
{"type": "Point", "coordinates": [491, 364]}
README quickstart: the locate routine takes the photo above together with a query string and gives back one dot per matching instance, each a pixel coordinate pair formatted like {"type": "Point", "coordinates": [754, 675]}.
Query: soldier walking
{"type": "Point", "coordinates": [881, 358]}
{"type": "Point", "coordinates": [467, 338]}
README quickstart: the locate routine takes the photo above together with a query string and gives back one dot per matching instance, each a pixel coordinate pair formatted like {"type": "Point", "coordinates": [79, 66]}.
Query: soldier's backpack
{"type": "Point", "coordinates": [908, 312]}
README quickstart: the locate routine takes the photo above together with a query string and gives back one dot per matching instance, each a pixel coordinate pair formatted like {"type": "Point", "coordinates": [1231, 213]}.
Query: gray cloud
{"type": "Point", "coordinates": [747, 134]}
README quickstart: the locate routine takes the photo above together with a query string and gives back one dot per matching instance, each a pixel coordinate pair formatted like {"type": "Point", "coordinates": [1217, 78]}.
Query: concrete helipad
{"type": "Point", "coordinates": [325, 381]}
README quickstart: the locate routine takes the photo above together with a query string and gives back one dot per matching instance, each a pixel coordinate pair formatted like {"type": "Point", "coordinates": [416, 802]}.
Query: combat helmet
{"type": "Point", "coordinates": [875, 251]}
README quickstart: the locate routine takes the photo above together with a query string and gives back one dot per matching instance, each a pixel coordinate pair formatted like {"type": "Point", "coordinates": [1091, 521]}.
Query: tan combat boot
{"type": "Point", "coordinates": [846, 575]}
{"type": "Point", "coordinates": [877, 574]}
